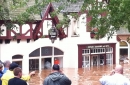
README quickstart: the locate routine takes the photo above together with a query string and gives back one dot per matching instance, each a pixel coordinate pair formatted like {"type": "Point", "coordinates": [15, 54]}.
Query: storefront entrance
{"type": "Point", "coordinates": [44, 58]}
{"type": "Point", "coordinates": [96, 55]}
{"type": "Point", "coordinates": [96, 60]}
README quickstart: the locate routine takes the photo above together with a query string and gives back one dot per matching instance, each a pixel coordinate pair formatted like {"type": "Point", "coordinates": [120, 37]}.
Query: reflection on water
{"type": "Point", "coordinates": [80, 76]}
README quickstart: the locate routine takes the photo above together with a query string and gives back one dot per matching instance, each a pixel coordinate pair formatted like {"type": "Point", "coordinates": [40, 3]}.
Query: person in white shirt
{"type": "Point", "coordinates": [115, 78]}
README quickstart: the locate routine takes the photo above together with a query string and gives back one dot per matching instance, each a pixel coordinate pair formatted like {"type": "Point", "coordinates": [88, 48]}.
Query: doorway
{"type": "Point", "coordinates": [86, 61]}
{"type": "Point", "coordinates": [124, 51]}
{"type": "Point", "coordinates": [95, 60]}
{"type": "Point", "coordinates": [47, 63]}
{"type": "Point", "coordinates": [101, 59]}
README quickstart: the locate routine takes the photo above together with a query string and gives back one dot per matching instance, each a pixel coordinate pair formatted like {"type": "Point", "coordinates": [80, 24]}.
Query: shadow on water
{"type": "Point", "coordinates": [80, 76]}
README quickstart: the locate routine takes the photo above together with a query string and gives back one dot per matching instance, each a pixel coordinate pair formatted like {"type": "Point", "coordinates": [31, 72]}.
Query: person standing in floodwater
{"type": "Point", "coordinates": [9, 74]}
{"type": "Point", "coordinates": [116, 77]}
{"type": "Point", "coordinates": [17, 77]}
{"type": "Point", "coordinates": [56, 77]}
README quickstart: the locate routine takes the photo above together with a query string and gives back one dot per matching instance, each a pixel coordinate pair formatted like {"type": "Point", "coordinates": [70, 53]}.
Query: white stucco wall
{"type": "Point", "coordinates": [68, 45]}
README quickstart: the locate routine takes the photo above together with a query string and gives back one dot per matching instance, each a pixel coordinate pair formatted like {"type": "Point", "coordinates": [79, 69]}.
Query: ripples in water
{"type": "Point", "coordinates": [80, 76]}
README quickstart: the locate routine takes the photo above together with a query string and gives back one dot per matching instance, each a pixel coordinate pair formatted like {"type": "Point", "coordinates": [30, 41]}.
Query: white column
{"type": "Point", "coordinates": [25, 64]}
{"type": "Point", "coordinates": [40, 62]}
{"type": "Point", "coordinates": [52, 56]}
{"type": "Point", "coordinates": [128, 51]}
{"type": "Point", "coordinates": [52, 61]}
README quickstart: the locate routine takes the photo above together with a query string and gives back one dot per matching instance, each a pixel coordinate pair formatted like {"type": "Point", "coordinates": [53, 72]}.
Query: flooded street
{"type": "Point", "coordinates": [81, 76]}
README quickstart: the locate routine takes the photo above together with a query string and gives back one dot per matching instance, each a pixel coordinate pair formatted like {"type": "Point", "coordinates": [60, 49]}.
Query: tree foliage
{"type": "Point", "coordinates": [108, 16]}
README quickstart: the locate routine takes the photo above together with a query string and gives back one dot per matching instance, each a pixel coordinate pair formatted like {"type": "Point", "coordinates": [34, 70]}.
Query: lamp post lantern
{"type": "Point", "coordinates": [53, 34]}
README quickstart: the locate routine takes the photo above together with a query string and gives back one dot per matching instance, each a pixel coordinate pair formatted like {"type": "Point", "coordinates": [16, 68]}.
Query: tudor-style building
{"type": "Point", "coordinates": [19, 42]}
{"type": "Point", "coordinates": [75, 46]}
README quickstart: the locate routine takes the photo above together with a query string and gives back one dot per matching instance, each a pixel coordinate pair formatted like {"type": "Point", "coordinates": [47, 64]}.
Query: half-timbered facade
{"type": "Point", "coordinates": [75, 47]}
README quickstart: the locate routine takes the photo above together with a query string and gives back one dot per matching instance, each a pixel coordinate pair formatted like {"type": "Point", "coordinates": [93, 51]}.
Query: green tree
{"type": "Point", "coordinates": [115, 13]}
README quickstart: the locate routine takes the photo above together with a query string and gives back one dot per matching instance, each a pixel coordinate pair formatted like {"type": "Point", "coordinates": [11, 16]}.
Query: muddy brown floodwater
{"type": "Point", "coordinates": [81, 76]}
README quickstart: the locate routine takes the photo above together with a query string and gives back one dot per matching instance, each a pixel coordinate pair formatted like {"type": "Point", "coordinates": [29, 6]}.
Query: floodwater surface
{"type": "Point", "coordinates": [81, 76]}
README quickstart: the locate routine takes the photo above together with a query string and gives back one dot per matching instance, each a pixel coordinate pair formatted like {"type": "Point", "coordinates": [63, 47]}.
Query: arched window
{"type": "Point", "coordinates": [35, 53]}
{"type": "Point", "coordinates": [58, 51]}
{"type": "Point", "coordinates": [17, 57]}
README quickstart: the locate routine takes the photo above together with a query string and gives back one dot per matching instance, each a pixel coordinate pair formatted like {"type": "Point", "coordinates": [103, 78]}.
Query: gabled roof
{"type": "Point", "coordinates": [45, 12]}
{"type": "Point", "coordinates": [69, 7]}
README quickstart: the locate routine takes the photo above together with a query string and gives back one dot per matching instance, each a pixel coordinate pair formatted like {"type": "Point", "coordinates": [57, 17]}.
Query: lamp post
{"type": "Point", "coordinates": [53, 34]}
